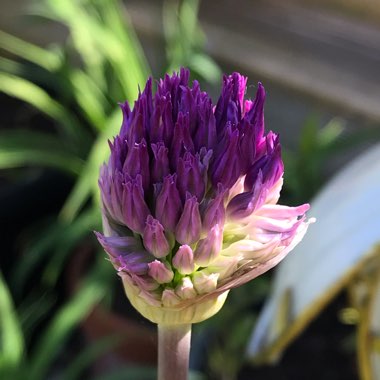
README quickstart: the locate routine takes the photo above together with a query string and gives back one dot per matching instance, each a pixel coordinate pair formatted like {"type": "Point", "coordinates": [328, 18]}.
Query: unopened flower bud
{"type": "Point", "coordinates": [189, 225]}
{"type": "Point", "coordinates": [183, 260]}
{"type": "Point", "coordinates": [169, 298]}
{"type": "Point", "coordinates": [185, 289]}
{"type": "Point", "coordinates": [205, 283]}
{"type": "Point", "coordinates": [182, 169]}
{"type": "Point", "coordinates": [154, 238]}
{"type": "Point", "coordinates": [209, 248]}
{"type": "Point", "coordinates": [161, 272]}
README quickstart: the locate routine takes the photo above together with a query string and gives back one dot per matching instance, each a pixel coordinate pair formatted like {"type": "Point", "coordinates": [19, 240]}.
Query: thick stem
{"type": "Point", "coordinates": [173, 351]}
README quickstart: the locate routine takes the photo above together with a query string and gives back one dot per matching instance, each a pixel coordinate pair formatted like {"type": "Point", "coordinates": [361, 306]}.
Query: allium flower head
{"type": "Point", "coordinates": [189, 198]}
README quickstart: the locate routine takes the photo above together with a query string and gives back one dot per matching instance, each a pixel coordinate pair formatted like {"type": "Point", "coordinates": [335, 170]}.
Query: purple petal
{"type": "Point", "coordinates": [137, 162]}
{"type": "Point", "coordinates": [225, 167]}
{"type": "Point", "coordinates": [208, 249]}
{"type": "Point", "coordinates": [189, 225]}
{"type": "Point", "coordinates": [190, 176]}
{"type": "Point", "coordinates": [181, 140]}
{"type": "Point", "coordinates": [270, 165]}
{"type": "Point", "coordinates": [126, 253]}
{"type": "Point", "coordinates": [168, 203]}
{"type": "Point", "coordinates": [135, 210]}
{"type": "Point", "coordinates": [215, 212]}
{"type": "Point", "coordinates": [160, 162]}
{"type": "Point", "coordinates": [154, 238]}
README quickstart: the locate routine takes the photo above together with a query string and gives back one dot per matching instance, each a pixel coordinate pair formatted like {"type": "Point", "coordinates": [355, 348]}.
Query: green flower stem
{"type": "Point", "coordinates": [173, 351]}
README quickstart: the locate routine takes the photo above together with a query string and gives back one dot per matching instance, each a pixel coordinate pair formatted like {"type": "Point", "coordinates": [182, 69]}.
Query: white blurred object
{"type": "Point", "coordinates": [334, 250]}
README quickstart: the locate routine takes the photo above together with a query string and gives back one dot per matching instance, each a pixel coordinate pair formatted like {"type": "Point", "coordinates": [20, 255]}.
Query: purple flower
{"type": "Point", "coordinates": [189, 198]}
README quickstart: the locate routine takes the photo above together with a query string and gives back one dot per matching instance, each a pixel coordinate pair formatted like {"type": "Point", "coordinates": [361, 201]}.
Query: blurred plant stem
{"type": "Point", "coordinates": [173, 351]}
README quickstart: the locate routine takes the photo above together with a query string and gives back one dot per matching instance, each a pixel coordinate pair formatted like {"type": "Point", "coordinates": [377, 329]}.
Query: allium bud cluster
{"type": "Point", "coordinates": [189, 198]}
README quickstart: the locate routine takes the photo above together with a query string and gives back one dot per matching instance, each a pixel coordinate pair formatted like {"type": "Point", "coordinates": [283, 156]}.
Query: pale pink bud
{"type": "Point", "coordinates": [161, 272]}
{"type": "Point", "coordinates": [169, 298]}
{"type": "Point", "coordinates": [183, 260]}
{"type": "Point", "coordinates": [208, 249]}
{"type": "Point", "coordinates": [185, 289]}
{"type": "Point", "coordinates": [205, 283]}
{"type": "Point", "coordinates": [154, 238]}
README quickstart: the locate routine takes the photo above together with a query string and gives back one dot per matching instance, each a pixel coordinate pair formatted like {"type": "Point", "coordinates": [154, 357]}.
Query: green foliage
{"type": "Point", "coordinates": [185, 40]}
{"type": "Point", "coordinates": [305, 168]}
{"type": "Point", "coordinates": [11, 338]}
{"type": "Point", "coordinates": [76, 85]}
{"type": "Point", "coordinates": [18, 363]}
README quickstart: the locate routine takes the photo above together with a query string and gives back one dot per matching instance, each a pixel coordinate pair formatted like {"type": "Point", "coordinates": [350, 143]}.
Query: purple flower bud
{"type": "Point", "coordinates": [225, 167]}
{"type": "Point", "coordinates": [137, 162]}
{"type": "Point", "coordinates": [168, 204]}
{"type": "Point", "coordinates": [181, 140]}
{"type": "Point", "coordinates": [126, 110]}
{"type": "Point", "coordinates": [189, 225]}
{"type": "Point", "coordinates": [183, 260]}
{"type": "Point", "coordinates": [161, 272]}
{"type": "Point", "coordinates": [190, 176]}
{"type": "Point", "coordinates": [208, 249]}
{"type": "Point", "coordinates": [215, 212]}
{"type": "Point", "coordinates": [244, 204]}
{"type": "Point", "coordinates": [188, 104]}
{"type": "Point", "coordinates": [135, 210]}
{"type": "Point", "coordinates": [126, 253]}
{"type": "Point", "coordinates": [230, 104]}
{"type": "Point", "coordinates": [181, 170]}
{"type": "Point", "coordinates": [162, 121]}
{"type": "Point", "coordinates": [138, 124]}
{"type": "Point", "coordinates": [154, 238]}
{"type": "Point", "coordinates": [270, 165]}
{"type": "Point", "coordinates": [160, 164]}
{"type": "Point", "coordinates": [205, 135]}
{"type": "Point", "coordinates": [255, 117]}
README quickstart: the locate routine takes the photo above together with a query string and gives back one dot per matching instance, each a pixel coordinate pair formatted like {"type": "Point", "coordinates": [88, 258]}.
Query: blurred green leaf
{"type": "Point", "coordinates": [129, 373]}
{"type": "Point", "coordinates": [185, 39]}
{"type": "Point", "coordinates": [97, 42]}
{"type": "Point", "coordinates": [330, 132]}
{"type": "Point", "coordinates": [11, 336]}
{"type": "Point", "coordinates": [57, 236]}
{"type": "Point", "coordinates": [49, 60]}
{"type": "Point", "coordinates": [32, 309]}
{"type": "Point", "coordinates": [81, 227]}
{"type": "Point", "coordinates": [40, 99]}
{"type": "Point", "coordinates": [90, 98]}
{"type": "Point", "coordinates": [88, 180]}
{"type": "Point", "coordinates": [20, 148]}
{"type": "Point", "coordinates": [57, 332]}
{"type": "Point", "coordinates": [88, 356]}
{"type": "Point", "coordinates": [205, 67]}
{"type": "Point", "coordinates": [141, 373]}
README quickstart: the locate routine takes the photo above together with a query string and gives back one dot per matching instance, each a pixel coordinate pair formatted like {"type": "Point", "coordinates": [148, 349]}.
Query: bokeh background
{"type": "Point", "coordinates": [64, 66]}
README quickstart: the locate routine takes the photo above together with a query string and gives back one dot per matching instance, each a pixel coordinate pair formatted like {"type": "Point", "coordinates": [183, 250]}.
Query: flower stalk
{"type": "Point", "coordinates": [173, 351]}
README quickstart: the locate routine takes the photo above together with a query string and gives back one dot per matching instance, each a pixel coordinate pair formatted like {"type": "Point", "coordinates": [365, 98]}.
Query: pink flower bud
{"type": "Point", "coordinates": [185, 289]}
{"type": "Point", "coordinates": [183, 260]}
{"type": "Point", "coordinates": [208, 249]}
{"type": "Point", "coordinates": [161, 272]}
{"type": "Point", "coordinates": [169, 298]}
{"type": "Point", "coordinates": [154, 238]}
{"type": "Point", "coordinates": [205, 283]}
{"type": "Point", "coordinates": [189, 225]}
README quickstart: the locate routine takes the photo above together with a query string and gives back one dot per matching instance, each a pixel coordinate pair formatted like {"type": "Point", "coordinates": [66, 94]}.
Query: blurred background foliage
{"type": "Point", "coordinates": [75, 86]}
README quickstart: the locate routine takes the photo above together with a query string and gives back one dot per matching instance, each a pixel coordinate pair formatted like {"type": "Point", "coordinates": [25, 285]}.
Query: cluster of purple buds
{"type": "Point", "coordinates": [189, 198]}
